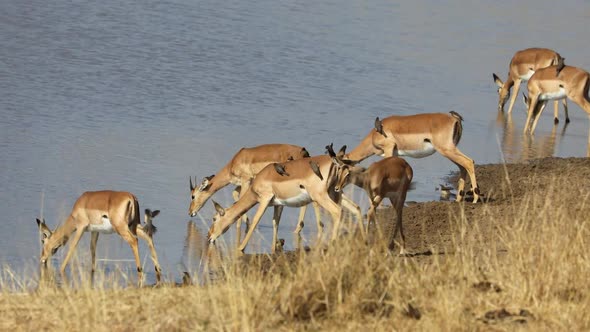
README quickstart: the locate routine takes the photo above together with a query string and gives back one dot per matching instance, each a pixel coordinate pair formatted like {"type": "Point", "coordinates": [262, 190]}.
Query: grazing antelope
{"type": "Point", "coordinates": [420, 136]}
{"type": "Point", "coordinates": [545, 85]}
{"type": "Point", "coordinates": [240, 171]}
{"type": "Point", "coordinates": [101, 212]}
{"type": "Point", "coordinates": [269, 188]}
{"type": "Point", "coordinates": [523, 65]}
{"type": "Point", "coordinates": [387, 178]}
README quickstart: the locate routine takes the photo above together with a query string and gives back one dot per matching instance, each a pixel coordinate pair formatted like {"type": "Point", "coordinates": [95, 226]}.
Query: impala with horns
{"type": "Point", "coordinates": [523, 65]}
{"type": "Point", "coordinates": [240, 171]}
{"type": "Point", "coordinates": [420, 136]}
{"type": "Point", "coordinates": [104, 212]}
{"type": "Point", "coordinates": [545, 85]}
{"type": "Point", "coordinates": [387, 178]}
{"type": "Point", "coordinates": [269, 188]}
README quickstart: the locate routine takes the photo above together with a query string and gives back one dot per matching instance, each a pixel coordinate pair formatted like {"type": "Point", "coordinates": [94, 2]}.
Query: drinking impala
{"type": "Point", "coordinates": [545, 85]}
{"type": "Point", "coordinates": [98, 212]}
{"type": "Point", "coordinates": [302, 186]}
{"type": "Point", "coordinates": [523, 65]}
{"type": "Point", "coordinates": [240, 171]}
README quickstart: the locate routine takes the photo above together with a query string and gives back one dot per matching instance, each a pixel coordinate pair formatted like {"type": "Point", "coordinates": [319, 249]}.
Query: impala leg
{"type": "Point", "coordinates": [300, 219]}
{"type": "Point", "coordinates": [243, 189]}
{"type": "Point", "coordinates": [132, 241]}
{"type": "Point", "coordinates": [461, 182]}
{"type": "Point", "coordinates": [465, 164]}
{"type": "Point", "coordinates": [276, 219]}
{"type": "Point", "coordinates": [537, 116]}
{"type": "Point", "coordinates": [567, 116]}
{"type": "Point", "coordinates": [150, 242]}
{"type": "Point", "coordinates": [371, 213]}
{"type": "Point", "coordinates": [351, 206]}
{"type": "Point", "coordinates": [77, 236]}
{"type": "Point", "coordinates": [580, 97]}
{"type": "Point", "coordinates": [514, 95]}
{"type": "Point", "coordinates": [93, 241]}
{"type": "Point", "coordinates": [397, 201]}
{"type": "Point", "coordinates": [318, 218]}
{"type": "Point", "coordinates": [324, 200]}
{"type": "Point", "coordinates": [389, 148]}
{"type": "Point", "coordinates": [264, 202]}
{"type": "Point", "coordinates": [555, 112]}
{"type": "Point", "coordinates": [530, 112]}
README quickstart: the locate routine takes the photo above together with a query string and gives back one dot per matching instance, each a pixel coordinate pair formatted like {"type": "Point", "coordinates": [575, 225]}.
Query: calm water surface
{"type": "Point", "coordinates": [138, 95]}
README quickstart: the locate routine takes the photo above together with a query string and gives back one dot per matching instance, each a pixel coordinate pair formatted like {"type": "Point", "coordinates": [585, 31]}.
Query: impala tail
{"type": "Point", "coordinates": [458, 128]}
{"type": "Point", "coordinates": [133, 212]}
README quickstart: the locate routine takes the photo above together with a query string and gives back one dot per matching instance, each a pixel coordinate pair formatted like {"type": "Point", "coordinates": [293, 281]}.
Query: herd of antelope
{"type": "Point", "coordinates": [280, 175]}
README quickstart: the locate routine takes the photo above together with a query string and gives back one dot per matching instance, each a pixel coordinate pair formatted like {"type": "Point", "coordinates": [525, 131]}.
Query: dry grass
{"type": "Point", "coordinates": [531, 273]}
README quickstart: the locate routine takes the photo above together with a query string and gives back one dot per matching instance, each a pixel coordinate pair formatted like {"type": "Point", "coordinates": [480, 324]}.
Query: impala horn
{"type": "Point", "coordinates": [190, 181]}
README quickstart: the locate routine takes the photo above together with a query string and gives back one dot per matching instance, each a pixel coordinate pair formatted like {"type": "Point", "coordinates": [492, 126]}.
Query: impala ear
{"type": "Point", "coordinates": [498, 81]}
{"type": "Point", "coordinates": [152, 214]}
{"type": "Point", "coordinates": [45, 231]}
{"type": "Point", "coordinates": [218, 208]}
{"type": "Point", "coordinates": [206, 183]}
{"type": "Point", "coordinates": [304, 153]}
{"type": "Point", "coordinates": [330, 150]}
{"type": "Point", "coordinates": [342, 151]}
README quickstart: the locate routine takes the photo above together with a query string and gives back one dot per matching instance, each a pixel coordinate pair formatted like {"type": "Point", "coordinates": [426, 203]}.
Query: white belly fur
{"type": "Point", "coordinates": [559, 94]}
{"type": "Point", "coordinates": [295, 201]}
{"type": "Point", "coordinates": [427, 150]}
{"type": "Point", "coordinates": [105, 227]}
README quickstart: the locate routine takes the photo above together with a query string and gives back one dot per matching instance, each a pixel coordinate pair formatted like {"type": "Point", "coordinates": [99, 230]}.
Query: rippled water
{"type": "Point", "coordinates": [138, 95]}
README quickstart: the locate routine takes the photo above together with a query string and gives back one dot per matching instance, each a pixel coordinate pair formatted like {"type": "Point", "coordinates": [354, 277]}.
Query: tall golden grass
{"type": "Point", "coordinates": [528, 271]}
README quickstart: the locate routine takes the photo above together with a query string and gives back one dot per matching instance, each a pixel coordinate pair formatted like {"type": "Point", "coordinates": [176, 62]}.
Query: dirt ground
{"type": "Point", "coordinates": [430, 227]}
{"type": "Point", "coordinates": [426, 225]}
